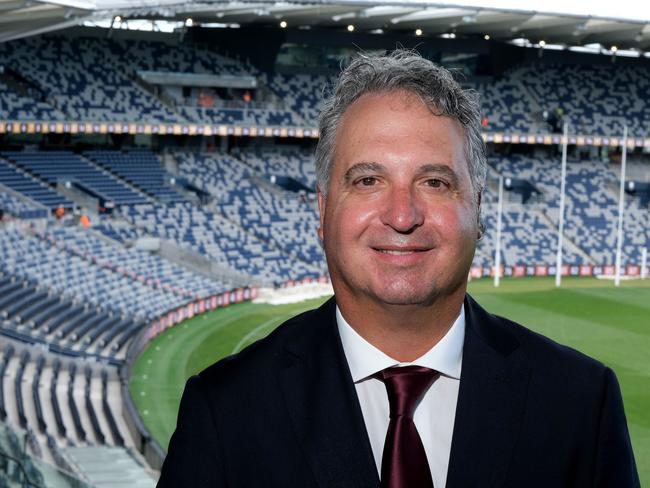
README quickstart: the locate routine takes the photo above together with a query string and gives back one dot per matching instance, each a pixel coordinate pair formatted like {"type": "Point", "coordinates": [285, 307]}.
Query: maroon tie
{"type": "Point", "coordinates": [404, 462]}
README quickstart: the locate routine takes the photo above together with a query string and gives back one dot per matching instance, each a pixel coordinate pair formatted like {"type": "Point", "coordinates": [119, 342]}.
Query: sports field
{"type": "Point", "coordinates": [608, 323]}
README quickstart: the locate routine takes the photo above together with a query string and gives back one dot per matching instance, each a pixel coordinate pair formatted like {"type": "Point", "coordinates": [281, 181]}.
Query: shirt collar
{"type": "Point", "coordinates": [365, 359]}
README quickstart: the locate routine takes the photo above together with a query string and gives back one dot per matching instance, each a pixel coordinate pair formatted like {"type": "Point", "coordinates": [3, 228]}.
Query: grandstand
{"type": "Point", "coordinates": [148, 177]}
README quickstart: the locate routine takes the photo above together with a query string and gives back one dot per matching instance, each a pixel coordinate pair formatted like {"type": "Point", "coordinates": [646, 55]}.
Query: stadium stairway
{"type": "Point", "coordinates": [106, 467]}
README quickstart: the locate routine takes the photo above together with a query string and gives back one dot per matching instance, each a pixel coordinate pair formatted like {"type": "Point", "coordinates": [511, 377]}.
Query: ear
{"type": "Point", "coordinates": [321, 211]}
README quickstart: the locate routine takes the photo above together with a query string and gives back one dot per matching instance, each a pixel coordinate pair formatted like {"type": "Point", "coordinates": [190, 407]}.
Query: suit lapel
{"type": "Point", "coordinates": [323, 405]}
{"type": "Point", "coordinates": [491, 401]}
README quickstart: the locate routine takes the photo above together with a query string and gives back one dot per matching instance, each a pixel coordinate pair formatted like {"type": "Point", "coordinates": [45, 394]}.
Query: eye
{"type": "Point", "coordinates": [435, 183]}
{"type": "Point", "coordinates": [367, 181]}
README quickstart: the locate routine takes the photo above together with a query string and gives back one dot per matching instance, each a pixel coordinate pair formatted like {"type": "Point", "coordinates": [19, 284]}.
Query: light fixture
{"type": "Point", "coordinates": [452, 35]}
{"type": "Point", "coordinates": [613, 49]}
{"type": "Point", "coordinates": [189, 22]}
{"type": "Point", "coordinates": [486, 37]}
{"type": "Point", "coordinates": [350, 28]}
{"type": "Point", "coordinates": [117, 19]}
{"type": "Point", "coordinates": [283, 24]}
{"type": "Point", "coordinates": [542, 43]}
{"type": "Point", "coordinates": [418, 32]}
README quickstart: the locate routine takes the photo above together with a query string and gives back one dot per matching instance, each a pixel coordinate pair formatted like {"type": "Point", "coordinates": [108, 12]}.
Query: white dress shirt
{"type": "Point", "coordinates": [434, 416]}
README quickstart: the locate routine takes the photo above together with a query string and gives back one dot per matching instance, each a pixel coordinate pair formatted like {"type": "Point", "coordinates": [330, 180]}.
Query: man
{"type": "Point", "coordinates": [401, 379]}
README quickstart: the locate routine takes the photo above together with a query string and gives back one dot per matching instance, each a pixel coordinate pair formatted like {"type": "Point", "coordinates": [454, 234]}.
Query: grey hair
{"type": "Point", "coordinates": [402, 70]}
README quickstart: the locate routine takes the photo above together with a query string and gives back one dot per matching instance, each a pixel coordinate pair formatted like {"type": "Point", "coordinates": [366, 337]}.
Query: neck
{"type": "Point", "coordinates": [403, 332]}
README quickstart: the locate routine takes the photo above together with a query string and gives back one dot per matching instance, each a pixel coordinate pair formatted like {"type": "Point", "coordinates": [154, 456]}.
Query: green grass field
{"type": "Point", "coordinates": [608, 323]}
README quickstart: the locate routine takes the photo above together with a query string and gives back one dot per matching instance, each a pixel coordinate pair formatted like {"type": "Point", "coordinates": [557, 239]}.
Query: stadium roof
{"type": "Point", "coordinates": [22, 18]}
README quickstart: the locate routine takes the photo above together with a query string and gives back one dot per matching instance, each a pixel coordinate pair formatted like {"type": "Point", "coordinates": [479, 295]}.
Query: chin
{"type": "Point", "coordinates": [406, 295]}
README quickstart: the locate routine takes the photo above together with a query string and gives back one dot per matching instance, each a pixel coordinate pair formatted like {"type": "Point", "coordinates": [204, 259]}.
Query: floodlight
{"type": "Point", "coordinates": [418, 32]}
{"type": "Point", "coordinates": [283, 24]}
{"type": "Point", "coordinates": [350, 28]}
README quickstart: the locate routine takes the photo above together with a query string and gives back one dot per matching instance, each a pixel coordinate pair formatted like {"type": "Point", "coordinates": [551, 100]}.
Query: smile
{"type": "Point", "coordinates": [399, 253]}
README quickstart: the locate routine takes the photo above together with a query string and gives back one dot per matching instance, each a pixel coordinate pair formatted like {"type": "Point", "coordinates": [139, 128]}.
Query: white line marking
{"type": "Point", "coordinates": [252, 333]}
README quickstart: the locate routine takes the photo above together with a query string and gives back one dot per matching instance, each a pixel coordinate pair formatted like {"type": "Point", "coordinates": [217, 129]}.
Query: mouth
{"type": "Point", "coordinates": [397, 252]}
{"type": "Point", "coordinates": [400, 251]}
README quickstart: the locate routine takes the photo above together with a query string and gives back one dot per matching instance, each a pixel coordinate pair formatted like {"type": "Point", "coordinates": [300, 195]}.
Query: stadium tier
{"type": "Point", "coordinates": [104, 80]}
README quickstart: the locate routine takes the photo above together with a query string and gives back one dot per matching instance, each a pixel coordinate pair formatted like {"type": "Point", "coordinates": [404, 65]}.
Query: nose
{"type": "Point", "coordinates": [403, 211]}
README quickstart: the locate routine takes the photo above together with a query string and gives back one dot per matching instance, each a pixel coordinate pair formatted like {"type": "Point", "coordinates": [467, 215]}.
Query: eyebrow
{"type": "Point", "coordinates": [363, 167]}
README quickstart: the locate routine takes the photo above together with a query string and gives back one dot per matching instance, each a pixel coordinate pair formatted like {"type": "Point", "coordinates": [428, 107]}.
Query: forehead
{"type": "Point", "coordinates": [397, 126]}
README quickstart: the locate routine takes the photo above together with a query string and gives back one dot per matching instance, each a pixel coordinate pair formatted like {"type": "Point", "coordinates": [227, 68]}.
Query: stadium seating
{"type": "Point", "coordinates": [4, 360]}
{"type": "Point", "coordinates": [507, 106]}
{"type": "Point", "coordinates": [26, 107]}
{"type": "Point", "coordinates": [12, 205]}
{"type": "Point", "coordinates": [242, 116]}
{"type": "Point", "coordinates": [52, 167]}
{"type": "Point", "coordinates": [284, 219]}
{"type": "Point", "coordinates": [31, 187]}
{"type": "Point", "coordinates": [96, 80]}
{"type": "Point", "coordinates": [596, 100]}
{"type": "Point", "coordinates": [113, 300]}
{"type": "Point", "coordinates": [72, 299]}
{"type": "Point", "coordinates": [591, 210]}
{"type": "Point", "coordinates": [84, 80]}
{"type": "Point", "coordinates": [56, 408]}
{"type": "Point", "coordinates": [302, 92]}
{"type": "Point", "coordinates": [151, 268]}
{"type": "Point", "coordinates": [141, 169]}
{"type": "Point", "coordinates": [118, 439]}
{"type": "Point", "coordinates": [280, 161]}
{"type": "Point", "coordinates": [227, 244]}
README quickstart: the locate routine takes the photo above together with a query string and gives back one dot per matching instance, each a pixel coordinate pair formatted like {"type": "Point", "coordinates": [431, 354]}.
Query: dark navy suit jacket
{"type": "Point", "coordinates": [284, 413]}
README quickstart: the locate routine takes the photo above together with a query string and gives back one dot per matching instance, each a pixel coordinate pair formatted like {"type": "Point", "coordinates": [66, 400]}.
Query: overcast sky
{"type": "Point", "coordinates": [618, 9]}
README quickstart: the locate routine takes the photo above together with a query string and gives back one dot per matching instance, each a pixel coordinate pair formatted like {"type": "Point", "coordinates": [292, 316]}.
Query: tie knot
{"type": "Point", "coordinates": [406, 386]}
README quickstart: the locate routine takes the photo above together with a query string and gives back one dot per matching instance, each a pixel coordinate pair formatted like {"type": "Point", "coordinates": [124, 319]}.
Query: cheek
{"type": "Point", "coordinates": [349, 221]}
{"type": "Point", "coordinates": [454, 221]}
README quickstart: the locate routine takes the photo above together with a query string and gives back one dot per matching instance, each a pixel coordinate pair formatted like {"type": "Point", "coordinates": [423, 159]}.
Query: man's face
{"type": "Point", "coordinates": [399, 222]}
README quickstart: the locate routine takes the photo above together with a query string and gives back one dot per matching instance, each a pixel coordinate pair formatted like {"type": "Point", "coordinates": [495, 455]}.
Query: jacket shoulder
{"type": "Point", "coordinates": [510, 337]}
{"type": "Point", "coordinates": [256, 360]}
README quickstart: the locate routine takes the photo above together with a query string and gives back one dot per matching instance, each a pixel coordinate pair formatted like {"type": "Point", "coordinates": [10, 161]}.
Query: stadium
{"type": "Point", "coordinates": [158, 208]}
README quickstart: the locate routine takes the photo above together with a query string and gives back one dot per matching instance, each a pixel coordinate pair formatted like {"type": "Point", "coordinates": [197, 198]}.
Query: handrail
{"type": "Point", "coordinates": [25, 477]}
